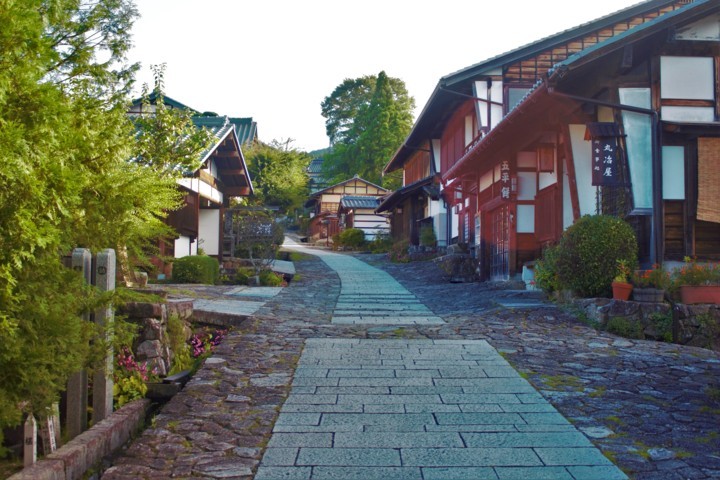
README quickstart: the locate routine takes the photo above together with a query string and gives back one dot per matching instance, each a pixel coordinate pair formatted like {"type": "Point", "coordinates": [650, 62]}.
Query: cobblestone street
{"type": "Point", "coordinates": [341, 376]}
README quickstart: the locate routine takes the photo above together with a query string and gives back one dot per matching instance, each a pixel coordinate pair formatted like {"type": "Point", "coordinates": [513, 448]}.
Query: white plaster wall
{"type": "Point", "coordinates": [209, 226]}
{"type": "Point", "coordinates": [582, 154]}
{"type": "Point", "coordinates": [437, 212]}
{"type": "Point", "coordinates": [184, 247]}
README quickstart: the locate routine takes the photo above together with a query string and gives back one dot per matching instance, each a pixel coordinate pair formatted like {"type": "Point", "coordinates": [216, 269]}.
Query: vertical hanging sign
{"type": "Point", "coordinates": [605, 158]}
{"type": "Point", "coordinates": [505, 180]}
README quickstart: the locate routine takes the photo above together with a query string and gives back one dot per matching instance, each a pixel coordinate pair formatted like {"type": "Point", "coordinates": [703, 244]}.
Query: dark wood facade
{"type": "Point", "coordinates": [516, 161]}
{"type": "Point", "coordinates": [416, 204]}
{"type": "Point", "coordinates": [324, 204]}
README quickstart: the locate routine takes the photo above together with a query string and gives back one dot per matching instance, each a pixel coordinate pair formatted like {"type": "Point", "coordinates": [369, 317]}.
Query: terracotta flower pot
{"type": "Point", "coordinates": [621, 290]}
{"type": "Point", "coordinates": [690, 294]}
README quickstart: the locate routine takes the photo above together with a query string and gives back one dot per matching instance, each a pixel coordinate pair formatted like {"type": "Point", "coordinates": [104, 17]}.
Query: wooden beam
{"type": "Point", "coordinates": [574, 198]}
{"type": "Point", "coordinates": [233, 154]}
{"type": "Point", "coordinates": [232, 171]}
{"type": "Point", "coordinates": [237, 191]}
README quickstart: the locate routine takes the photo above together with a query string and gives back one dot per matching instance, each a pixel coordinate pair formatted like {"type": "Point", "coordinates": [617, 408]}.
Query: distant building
{"type": "Point", "coordinates": [359, 212]}
{"type": "Point", "coordinates": [222, 174]}
{"type": "Point", "coordinates": [325, 204]}
{"type": "Point", "coordinates": [315, 174]}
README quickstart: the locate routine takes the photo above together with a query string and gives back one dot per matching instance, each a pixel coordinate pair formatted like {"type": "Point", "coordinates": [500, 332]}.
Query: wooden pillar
{"type": "Point", "coordinates": [77, 387]}
{"type": "Point", "coordinates": [102, 380]}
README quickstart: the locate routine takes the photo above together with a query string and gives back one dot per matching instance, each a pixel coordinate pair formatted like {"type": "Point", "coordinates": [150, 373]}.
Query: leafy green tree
{"type": "Point", "coordinates": [367, 119]}
{"type": "Point", "coordinates": [279, 174]}
{"type": "Point", "coordinates": [66, 182]}
{"type": "Point", "coordinates": [167, 141]}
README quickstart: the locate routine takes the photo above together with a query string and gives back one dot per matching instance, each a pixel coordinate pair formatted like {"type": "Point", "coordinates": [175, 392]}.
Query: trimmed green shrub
{"type": "Point", "coordinates": [381, 244]}
{"type": "Point", "coordinates": [399, 252]}
{"type": "Point", "coordinates": [351, 238]}
{"type": "Point", "coordinates": [427, 236]}
{"type": "Point", "coordinates": [268, 278]}
{"type": "Point", "coordinates": [546, 276]}
{"type": "Point", "coordinates": [242, 276]}
{"type": "Point", "coordinates": [625, 327]}
{"type": "Point", "coordinates": [589, 253]}
{"type": "Point", "coordinates": [196, 269]}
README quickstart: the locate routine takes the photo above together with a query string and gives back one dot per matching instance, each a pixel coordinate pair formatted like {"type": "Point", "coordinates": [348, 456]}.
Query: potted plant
{"type": "Point", "coordinates": [621, 286]}
{"type": "Point", "coordinates": [698, 283]}
{"type": "Point", "coordinates": [650, 285]}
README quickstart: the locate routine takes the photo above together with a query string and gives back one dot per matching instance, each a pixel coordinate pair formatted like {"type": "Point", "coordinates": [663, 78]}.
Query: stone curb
{"type": "Point", "coordinates": [219, 319]}
{"type": "Point", "coordinates": [72, 460]}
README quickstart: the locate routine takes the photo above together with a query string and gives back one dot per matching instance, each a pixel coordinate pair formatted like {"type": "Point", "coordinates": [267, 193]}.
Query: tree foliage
{"type": "Point", "coordinates": [258, 236]}
{"type": "Point", "coordinates": [279, 174]}
{"type": "Point", "coordinates": [167, 140]}
{"type": "Point", "coordinates": [66, 182]}
{"type": "Point", "coordinates": [367, 119]}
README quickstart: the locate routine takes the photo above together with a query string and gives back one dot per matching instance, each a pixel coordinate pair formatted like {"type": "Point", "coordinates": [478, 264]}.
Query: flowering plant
{"type": "Point", "coordinates": [657, 277]}
{"type": "Point", "coordinates": [622, 274]}
{"type": "Point", "coordinates": [694, 273]}
{"type": "Point", "coordinates": [129, 378]}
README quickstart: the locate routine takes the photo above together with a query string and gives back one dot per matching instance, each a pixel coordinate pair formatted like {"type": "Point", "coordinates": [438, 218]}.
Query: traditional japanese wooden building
{"type": "Point", "coordinates": [617, 116]}
{"type": "Point", "coordinates": [222, 174]}
{"type": "Point", "coordinates": [359, 212]}
{"type": "Point", "coordinates": [325, 203]}
{"type": "Point", "coordinates": [417, 203]}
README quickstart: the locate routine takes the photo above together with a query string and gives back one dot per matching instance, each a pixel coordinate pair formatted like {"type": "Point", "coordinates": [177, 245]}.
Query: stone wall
{"type": "Point", "coordinates": [86, 451]}
{"type": "Point", "coordinates": [695, 325]}
{"type": "Point", "coordinates": [153, 343]}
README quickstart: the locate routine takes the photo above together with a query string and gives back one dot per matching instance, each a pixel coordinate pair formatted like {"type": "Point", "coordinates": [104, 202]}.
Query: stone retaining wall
{"type": "Point", "coordinates": [86, 451]}
{"type": "Point", "coordinates": [695, 325]}
{"type": "Point", "coordinates": [152, 344]}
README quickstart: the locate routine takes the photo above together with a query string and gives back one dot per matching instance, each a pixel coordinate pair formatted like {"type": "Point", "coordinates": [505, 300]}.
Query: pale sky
{"type": "Point", "coordinates": [276, 60]}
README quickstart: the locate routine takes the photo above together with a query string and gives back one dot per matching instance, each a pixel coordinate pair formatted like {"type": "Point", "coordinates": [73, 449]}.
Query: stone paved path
{"type": "Point", "coordinates": [370, 296]}
{"type": "Point", "coordinates": [651, 408]}
{"type": "Point", "coordinates": [421, 409]}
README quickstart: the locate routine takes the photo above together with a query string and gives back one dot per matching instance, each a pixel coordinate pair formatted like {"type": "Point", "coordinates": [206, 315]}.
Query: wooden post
{"type": "Point", "coordinates": [77, 387]}
{"type": "Point", "coordinates": [47, 435]}
{"type": "Point", "coordinates": [104, 274]}
{"type": "Point", "coordinates": [30, 441]}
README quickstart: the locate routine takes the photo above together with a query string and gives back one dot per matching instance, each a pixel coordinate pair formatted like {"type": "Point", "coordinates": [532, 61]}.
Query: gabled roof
{"type": "Point", "coordinates": [245, 128]}
{"type": "Point", "coordinates": [351, 201]}
{"type": "Point", "coordinates": [426, 185]}
{"type": "Point", "coordinates": [315, 166]}
{"type": "Point", "coordinates": [538, 97]}
{"type": "Point", "coordinates": [170, 102]}
{"type": "Point", "coordinates": [355, 178]}
{"type": "Point", "coordinates": [455, 88]}
{"type": "Point", "coordinates": [227, 155]}
{"type": "Point", "coordinates": [538, 46]}
{"type": "Point", "coordinates": [695, 8]}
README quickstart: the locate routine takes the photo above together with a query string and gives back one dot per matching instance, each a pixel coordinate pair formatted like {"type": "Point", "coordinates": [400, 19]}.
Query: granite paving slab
{"type": "Point", "coordinates": [450, 422]}
{"type": "Point", "coordinates": [231, 307]}
{"type": "Point", "coordinates": [262, 292]}
{"type": "Point", "coordinates": [369, 296]}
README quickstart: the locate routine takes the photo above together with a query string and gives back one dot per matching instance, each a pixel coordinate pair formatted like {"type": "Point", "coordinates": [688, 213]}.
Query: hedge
{"type": "Point", "coordinates": [196, 269]}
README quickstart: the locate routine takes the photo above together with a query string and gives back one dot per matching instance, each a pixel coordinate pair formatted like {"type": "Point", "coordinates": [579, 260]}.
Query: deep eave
{"type": "Point", "coordinates": [389, 202]}
{"type": "Point", "coordinates": [227, 155]}
{"type": "Point", "coordinates": [539, 100]}
{"type": "Point", "coordinates": [455, 88]}
{"type": "Point", "coordinates": [340, 184]}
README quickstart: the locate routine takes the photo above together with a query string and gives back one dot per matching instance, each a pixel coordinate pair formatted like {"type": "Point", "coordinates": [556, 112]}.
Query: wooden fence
{"type": "Point", "coordinates": [98, 270]}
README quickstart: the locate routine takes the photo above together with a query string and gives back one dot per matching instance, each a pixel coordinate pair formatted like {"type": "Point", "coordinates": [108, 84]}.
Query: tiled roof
{"type": "Point", "coordinates": [315, 165]}
{"type": "Point", "coordinates": [218, 126]}
{"type": "Point", "coordinates": [356, 177]}
{"type": "Point", "coordinates": [351, 201]}
{"type": "Point", "coordinates": [245, 128]}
